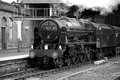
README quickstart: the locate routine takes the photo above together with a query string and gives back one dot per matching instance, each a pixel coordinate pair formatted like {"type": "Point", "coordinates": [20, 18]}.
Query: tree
{"type": "Point", "coordinates": [62, 8]}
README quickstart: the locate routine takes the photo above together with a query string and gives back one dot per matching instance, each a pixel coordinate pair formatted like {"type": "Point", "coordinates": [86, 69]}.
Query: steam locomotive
{"type": "Point", "coordinates": [66, 41]}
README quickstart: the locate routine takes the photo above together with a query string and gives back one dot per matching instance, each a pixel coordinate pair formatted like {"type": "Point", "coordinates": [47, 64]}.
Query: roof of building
{"type": "Point", "coordinates": [7, 6]}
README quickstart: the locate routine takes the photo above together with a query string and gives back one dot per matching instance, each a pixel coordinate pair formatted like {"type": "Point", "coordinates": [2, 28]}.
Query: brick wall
{"type": "Point", "coordinates": [28, 31]}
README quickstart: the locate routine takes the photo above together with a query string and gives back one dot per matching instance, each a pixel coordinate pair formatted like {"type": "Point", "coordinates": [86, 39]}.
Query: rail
{"type": "Point", "coordinates": [35, 13]}
{"type": "Point", "coordinates": [23, 75]}
{"type": "Point", "coordinates": [117, 52]}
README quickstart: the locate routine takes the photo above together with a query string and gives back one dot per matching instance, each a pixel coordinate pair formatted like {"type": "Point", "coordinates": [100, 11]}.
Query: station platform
{"type": "Point", "coordinates": [11, 54]}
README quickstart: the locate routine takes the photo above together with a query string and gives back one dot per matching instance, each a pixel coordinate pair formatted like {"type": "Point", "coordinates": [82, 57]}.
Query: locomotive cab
{"type": "Point", "coordinates": [117, 36]}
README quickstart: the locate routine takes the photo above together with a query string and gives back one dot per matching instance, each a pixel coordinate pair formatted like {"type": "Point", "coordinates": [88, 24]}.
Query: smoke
{"type": "Point", "coordinates": [104, 6]}
{"type": "Point", "coordinates": [71, 11]}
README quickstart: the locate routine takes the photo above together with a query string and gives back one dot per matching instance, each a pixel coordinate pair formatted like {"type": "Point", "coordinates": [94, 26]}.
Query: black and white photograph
{"type": "Point", "coordinates": [59, 39]}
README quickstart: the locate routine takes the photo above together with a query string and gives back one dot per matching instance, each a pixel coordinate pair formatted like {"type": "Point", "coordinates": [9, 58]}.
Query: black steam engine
{"type": "Point", "coordinates": [66, 41]}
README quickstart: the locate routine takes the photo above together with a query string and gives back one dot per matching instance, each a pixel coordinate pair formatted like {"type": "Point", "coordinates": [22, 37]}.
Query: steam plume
{"type": "Point", "coordinates": [104, 6]}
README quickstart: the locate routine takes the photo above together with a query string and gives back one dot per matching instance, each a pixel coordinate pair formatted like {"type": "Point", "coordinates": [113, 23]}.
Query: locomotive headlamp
{"type": "Point", "coordinates": [60, 47]}
{"type": "Point", "coordinates": [46, 46]}
{"type": "Point", "coordinates": [54, 55]}
{"type": "Point", "coordinates": [32, 47]}
{"type": "Point", "coordinates": [31, 54]}
{"type": "Point", "coordinates": [116, 34]}
{"type": "Point", "coordinates": [98, 39]}
{"type": "Point", "coordinates": [100, 28]}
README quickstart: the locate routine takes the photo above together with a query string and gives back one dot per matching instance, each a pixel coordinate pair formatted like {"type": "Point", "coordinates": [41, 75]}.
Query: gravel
{"type": "Point", "coordinates": [108, 71]}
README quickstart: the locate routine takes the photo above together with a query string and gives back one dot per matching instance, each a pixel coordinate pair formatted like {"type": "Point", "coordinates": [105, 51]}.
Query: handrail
{"type": "Point", "coordinates": [117, 52]}
{"type": "Point", "coordinates": [34, 13]}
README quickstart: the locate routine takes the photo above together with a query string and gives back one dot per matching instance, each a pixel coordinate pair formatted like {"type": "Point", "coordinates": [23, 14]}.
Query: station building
{"type": "Point", "coordinates": [8, 34]}
{"type": "Point", "coordinates": [9, 28]}
{"type": "Point", "coordinates": [17, 22]}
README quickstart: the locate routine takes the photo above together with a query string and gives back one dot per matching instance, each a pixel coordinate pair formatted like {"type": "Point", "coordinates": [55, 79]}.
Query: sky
{"type": "Point", "coordinates": [9, 1]}
{"type": "Point", "coordinates": [98, 5]}
{"type": "Point", "coordinates": [104, 5]}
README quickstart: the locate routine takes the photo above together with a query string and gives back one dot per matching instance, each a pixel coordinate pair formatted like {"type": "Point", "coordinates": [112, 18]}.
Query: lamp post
{"type": "Point", "coordinates": [19, 36]}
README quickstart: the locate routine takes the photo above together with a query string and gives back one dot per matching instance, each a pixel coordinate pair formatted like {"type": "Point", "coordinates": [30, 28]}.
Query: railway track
{"type": "Point", "coordinates": [23, 75]}
{"type": "Point", "coordinates": [37, 72]}
{"type": "Point", "coordinates": [12, 66]}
